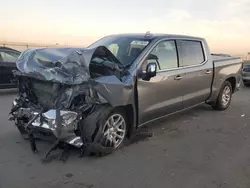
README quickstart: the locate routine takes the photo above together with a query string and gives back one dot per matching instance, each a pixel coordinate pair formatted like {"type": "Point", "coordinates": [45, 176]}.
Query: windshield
{"type": "Point", "coordinates": [125, 48]}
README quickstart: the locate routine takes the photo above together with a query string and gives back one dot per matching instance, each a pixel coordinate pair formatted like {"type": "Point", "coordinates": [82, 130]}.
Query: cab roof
{"type": "Point", "coordinates": [156, 36]}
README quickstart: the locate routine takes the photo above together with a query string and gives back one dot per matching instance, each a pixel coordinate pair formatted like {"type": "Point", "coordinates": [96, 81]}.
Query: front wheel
{"type": "Point", "coordinates": [114, 130]}
{"type": "Point", "coordinates": [224, 98]}
{"type": "Point", "coordinates": [105, 129]}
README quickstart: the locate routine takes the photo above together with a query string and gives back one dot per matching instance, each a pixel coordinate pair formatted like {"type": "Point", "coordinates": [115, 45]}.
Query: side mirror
{"type": "Point", "coordinates": [150, 71]}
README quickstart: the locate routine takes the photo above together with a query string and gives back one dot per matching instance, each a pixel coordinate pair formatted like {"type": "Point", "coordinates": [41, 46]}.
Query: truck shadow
{"type": "Point", "coordinates": [169, 123]}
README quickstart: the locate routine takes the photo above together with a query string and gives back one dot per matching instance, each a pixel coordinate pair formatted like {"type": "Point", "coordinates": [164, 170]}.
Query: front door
{"type": "Point", "coordinates": [162, 94]}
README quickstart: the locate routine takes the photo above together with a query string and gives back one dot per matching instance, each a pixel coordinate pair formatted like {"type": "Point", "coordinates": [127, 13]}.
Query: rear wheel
{"type": "Point", "coordinates": [224, 98]}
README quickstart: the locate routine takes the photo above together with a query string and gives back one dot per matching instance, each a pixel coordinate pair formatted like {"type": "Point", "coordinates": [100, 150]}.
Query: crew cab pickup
{"type": "Point", "coordinates": [103, 93]}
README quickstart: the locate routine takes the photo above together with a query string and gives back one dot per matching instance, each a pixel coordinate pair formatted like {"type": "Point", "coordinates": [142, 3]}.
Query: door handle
{"type": "Point", "coordinates": [178, 77]}
{"type": "Point", "coordinates": [208, 72]}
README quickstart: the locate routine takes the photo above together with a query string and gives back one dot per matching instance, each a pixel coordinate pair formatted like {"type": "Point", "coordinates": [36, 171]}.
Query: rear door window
{"type": "Point", "coordinates": [190, 52]}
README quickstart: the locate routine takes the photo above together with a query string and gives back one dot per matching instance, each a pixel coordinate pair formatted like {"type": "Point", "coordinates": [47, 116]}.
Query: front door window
{"type": "Point", "coordinates": [165, 55]}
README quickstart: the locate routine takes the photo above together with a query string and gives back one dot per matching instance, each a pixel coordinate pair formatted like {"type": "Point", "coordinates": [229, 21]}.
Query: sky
{"type": "Point", "coordinates": [224, 23]}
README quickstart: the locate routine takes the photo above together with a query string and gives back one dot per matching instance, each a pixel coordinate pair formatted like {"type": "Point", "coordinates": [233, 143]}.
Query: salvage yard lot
{"type": "Point", "coordinates": [195, 149]}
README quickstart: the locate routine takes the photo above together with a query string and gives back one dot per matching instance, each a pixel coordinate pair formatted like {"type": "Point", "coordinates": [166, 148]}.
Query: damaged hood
{"type": "Point", "coordinates": [65, 65]}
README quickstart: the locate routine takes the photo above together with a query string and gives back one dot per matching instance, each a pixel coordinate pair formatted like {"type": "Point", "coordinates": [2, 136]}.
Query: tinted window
{"type": "Point", "coordinates": [9, 56]}
{"type": "Point", "coordinates": [191, 53]}
{"type": "Point", "coordinates": [165, 55]}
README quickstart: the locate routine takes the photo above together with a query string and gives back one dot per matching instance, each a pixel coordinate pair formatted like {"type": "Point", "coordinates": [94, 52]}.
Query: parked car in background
{"type": "Point", "coordinates": [246, 73]}
{"type": "Point", "coordinates": [8, 57]}
{"type": "Point", "coordinates": [90, 96]}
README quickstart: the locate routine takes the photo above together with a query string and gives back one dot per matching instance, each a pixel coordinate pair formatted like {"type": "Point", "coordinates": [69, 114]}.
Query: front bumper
{"type": "Point", "coordinates": [44, 131]}
{"type": "Point", "coordinates": [50, 125]}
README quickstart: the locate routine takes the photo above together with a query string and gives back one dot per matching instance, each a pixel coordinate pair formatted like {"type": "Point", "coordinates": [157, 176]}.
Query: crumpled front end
{"type": "Point", "coordinates": [52, 125]}
{"type": "Point", "coordinates": [62, 93]}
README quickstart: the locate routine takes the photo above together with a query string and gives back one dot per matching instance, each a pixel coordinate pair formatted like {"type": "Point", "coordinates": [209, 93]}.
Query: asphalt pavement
{"type": "Point", "coordinates": [199, 148]}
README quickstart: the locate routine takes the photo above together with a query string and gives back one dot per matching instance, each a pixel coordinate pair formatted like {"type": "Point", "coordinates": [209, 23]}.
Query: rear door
{"type": "Point", "coordinates": [198, 71]}
{"type": "Point", "coordinates": [8, 64]}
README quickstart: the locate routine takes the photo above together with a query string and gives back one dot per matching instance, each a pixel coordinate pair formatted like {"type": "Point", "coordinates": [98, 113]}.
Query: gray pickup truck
{"type": "Point", "coordinates": [95, 97]}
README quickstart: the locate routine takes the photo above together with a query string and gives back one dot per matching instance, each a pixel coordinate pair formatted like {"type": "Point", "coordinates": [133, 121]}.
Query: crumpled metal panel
{"type": "Point", "coordinates": [71, 66]}
{"type": "Point", "coordinates": [116, 92]}
{"type": "Point", "coordinates": [63, 65]}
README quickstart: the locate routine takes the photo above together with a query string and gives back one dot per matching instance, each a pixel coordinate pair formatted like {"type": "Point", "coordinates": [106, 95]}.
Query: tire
{"type": "Point", "coordinates": [97, 135]}
{"type": "Point", "coordinates": [224, 97]}
{"type": "Point", "coordinates": [119, 129]}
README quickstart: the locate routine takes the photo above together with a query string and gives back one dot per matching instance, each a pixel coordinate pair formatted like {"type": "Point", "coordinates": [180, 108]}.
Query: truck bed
{"type": "Point", "coordinates": [225, 60]}
{"type": "Point", "coordinates": [216, 57]}
{"type": "Point", "coordinates": [225, 67]}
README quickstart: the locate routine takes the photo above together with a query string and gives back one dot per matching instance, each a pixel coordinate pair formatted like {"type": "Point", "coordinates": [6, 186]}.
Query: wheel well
{"type": "Point", "coordinates": [129, 112]}
{"type": "Point", "coordinates": [232, 81]}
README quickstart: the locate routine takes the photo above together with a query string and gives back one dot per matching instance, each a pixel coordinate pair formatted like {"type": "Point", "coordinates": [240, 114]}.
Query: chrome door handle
{"type": "Point", "coordinates": [178, 77]}
{"type": "Point", "coordinates": [208, 72]}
